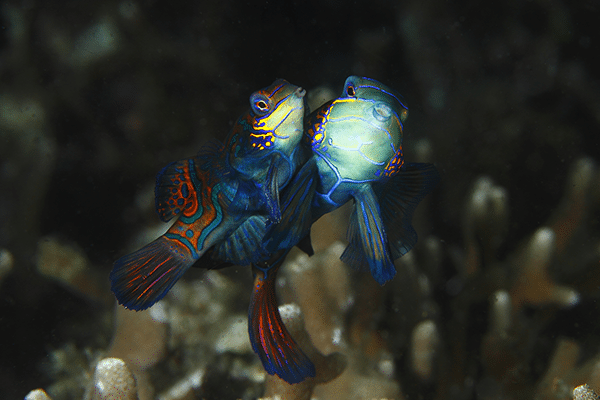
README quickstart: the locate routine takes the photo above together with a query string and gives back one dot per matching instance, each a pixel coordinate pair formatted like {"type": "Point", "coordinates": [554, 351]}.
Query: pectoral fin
{"type": "Point", "coordinates": [271, 193]}
{"type": "Point", "coordinates": [399, 198]}
{"type": "Point", "coordinates": [367, 232]}
{"type": "Point", "coordinates": [243, 245]}
{"type": "Point", "coordinates": [296, 203]}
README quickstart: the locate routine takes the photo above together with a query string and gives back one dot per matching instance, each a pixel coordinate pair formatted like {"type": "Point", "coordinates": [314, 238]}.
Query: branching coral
{"type": "Point", "coordinates": [532, 283]}
{"type": "Point", "coordinates": [69, 266]}
{"type": "Point", "coordinates": [365, 339]}
{"type": "Point", "coordinates": [321, 287]}
{"type": "Point", "coordinates": [37, 394]}
{"type": "Point", "coordinates": [113, 381]}
{"type": "Point", "coordinates": [584, 392]}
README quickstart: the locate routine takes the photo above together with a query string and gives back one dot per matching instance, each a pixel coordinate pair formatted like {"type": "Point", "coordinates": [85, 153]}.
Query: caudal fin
{"type": "Point", "coordinates": [142, 278]}
{"type": "Point", "coordinates": [271, 341]}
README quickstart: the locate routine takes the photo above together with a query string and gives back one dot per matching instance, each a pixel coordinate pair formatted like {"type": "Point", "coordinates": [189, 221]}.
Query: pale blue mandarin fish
{"type": "Point", "coordinates": [213, 194]}
{"type": "Point", "coordinates": [356, 142]}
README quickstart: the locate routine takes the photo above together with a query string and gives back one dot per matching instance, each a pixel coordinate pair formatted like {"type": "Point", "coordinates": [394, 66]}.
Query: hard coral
{"type": "Point", "coordinates": [113, 381]}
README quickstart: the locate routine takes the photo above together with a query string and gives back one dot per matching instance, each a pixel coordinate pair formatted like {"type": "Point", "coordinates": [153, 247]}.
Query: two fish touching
{"type": "Point", "coordinates": [251, 200]}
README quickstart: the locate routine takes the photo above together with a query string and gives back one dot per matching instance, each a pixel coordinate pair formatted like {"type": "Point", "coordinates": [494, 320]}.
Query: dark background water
{"type": "Point", "coordinates": [506, 89]}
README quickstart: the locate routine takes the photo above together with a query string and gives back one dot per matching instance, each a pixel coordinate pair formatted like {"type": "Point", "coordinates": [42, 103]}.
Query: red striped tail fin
{"type": "Point", "coordinates": [142, 278]}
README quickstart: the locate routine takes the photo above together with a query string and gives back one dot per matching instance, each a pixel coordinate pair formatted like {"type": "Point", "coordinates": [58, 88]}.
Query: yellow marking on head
{"type": "Point", "coordinates": [345, 100]}
{"type": "Point", "coordinates": [263, 135]}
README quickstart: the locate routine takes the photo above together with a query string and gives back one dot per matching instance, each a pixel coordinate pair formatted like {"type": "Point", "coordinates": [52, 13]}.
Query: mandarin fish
{"type": "Point", "coordinates": [356, 148]}
{"type": "Point", "coordinates": [216, 192]}
{"type": "Point", "coordinates": [270, 339]}
{"type": "Point", "coordinates": [356, 141]}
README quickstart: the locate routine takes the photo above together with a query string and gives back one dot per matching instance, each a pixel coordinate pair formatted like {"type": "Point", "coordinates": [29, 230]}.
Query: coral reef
{"type": "Point", "coordinates": [113, 380]}
{"type": "Point", "coordinates": [37, 394]}
{"type": "Point", "coordinates": [499, 299]}
{"type": "Point", "coordinates": [584, 392]}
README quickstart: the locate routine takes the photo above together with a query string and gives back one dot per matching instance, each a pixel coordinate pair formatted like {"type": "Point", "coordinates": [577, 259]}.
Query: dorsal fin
{"type": "Point", "coordinates": [211, 148]}
{"type": "Point", "coordinates": [175, 191]}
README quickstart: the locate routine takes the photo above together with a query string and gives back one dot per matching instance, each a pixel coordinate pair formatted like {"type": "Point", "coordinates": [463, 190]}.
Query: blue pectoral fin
{"type": "Point", "coordinates": [243, 245]}
{"type": "Point", "coordinates": [142, 278]}
{"type": "Point", "coordinates": [399, 198]}
{"type": "Point", "coordinates": [369, 231]}
{"type": "Point", "coordinates": [354, 255]}
{"type": "Point", "coordinates": [271, 194]}
{"type": "Point", "coordinates": [296, 203]}
{"type": "Point", "coordinates": [271, 341]}
{"type": "Point", "coordinates": [175, 190]}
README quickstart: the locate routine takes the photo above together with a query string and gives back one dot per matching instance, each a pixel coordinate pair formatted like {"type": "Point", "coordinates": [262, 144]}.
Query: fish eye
{"type": "Point", "coordinates": [259, 104]}
{"type": "Point", "coordinates": [350, 91]}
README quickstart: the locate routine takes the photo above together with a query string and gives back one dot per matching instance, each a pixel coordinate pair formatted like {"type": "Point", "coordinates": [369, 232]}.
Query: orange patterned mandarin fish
{"type": "Point", "coordinates": [224, 192]}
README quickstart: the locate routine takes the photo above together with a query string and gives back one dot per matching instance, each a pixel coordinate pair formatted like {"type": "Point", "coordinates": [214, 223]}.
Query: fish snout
{"type": "Point", "coordinates": [300, 92]}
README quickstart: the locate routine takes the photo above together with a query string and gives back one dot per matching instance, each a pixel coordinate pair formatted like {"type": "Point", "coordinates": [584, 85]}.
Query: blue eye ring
{"type": "Point", "coordinates": [260, 104]}
{"type": "Point", "coordinates": [351, 91]}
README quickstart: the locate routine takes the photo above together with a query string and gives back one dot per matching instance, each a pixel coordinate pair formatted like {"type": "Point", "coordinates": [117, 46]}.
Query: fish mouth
{"type": "Point", "coordinates": [301, 94]}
